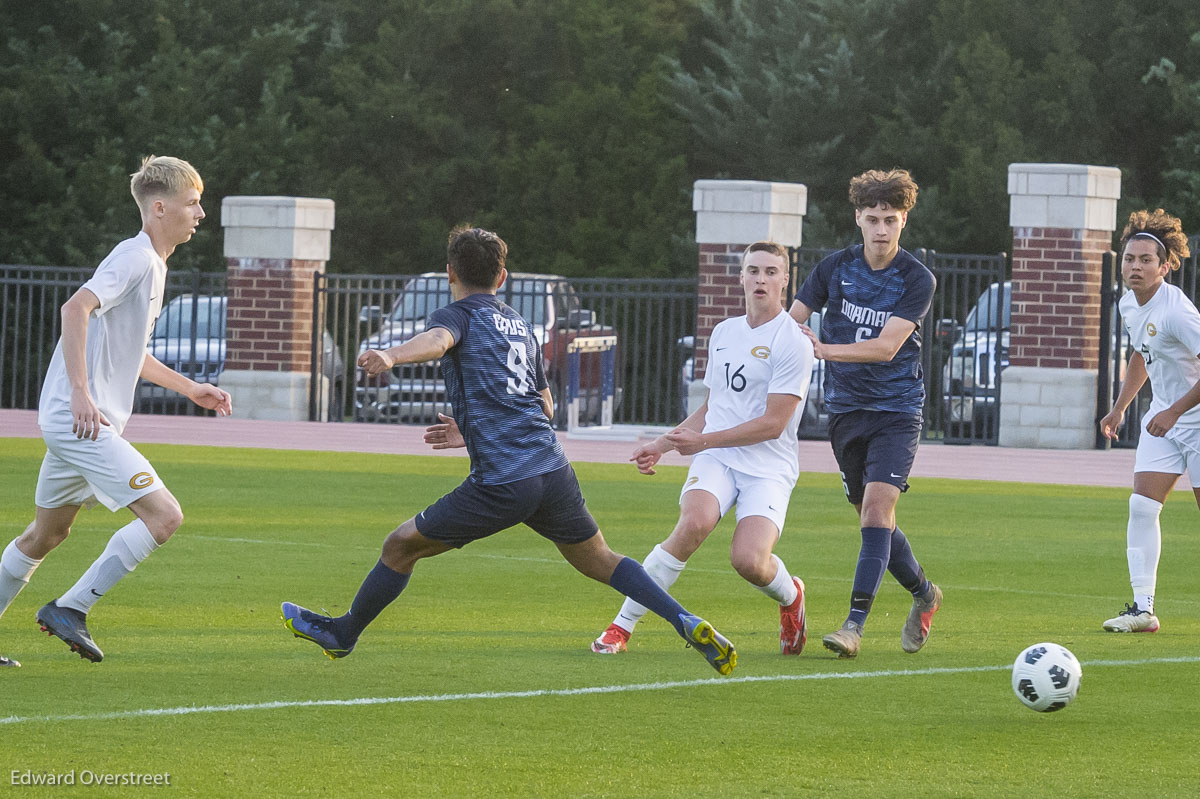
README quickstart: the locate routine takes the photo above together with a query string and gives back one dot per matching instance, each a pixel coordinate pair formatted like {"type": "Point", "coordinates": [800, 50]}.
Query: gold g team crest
{"type": "Point", "coordinates": [691, 480]}
{"type": "Point", "coordinates": [762, 352]}
{"type": "Point", "coordinates": [141, 480]}
{"type": "Point", "coordinates": [1151, 329]}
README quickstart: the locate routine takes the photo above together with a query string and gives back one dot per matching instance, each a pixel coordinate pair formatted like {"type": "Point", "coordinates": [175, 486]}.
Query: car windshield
{"type": "Point", "coordinates": [984, 315]}
{"type": "Point", "coordinates": [176, 319]}
{"type": "Point", "coordinates": [424, 295]}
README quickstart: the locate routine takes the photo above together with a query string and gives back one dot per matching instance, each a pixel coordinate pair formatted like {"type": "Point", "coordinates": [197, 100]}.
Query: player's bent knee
{"type": "Point", "coordinates": [752, 568]}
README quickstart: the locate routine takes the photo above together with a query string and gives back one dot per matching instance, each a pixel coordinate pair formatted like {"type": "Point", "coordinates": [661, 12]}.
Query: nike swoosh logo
{"type": "Point", "coordinates": [772, 507]}
{"type": "Point", "coordinates": [898, 477]}
{"type": "Point", "coordinates": [718, 349]}
{"type": "Point", "coordinates": [93, 590]}
{"type": "Point", "coordinates": [844, 283]}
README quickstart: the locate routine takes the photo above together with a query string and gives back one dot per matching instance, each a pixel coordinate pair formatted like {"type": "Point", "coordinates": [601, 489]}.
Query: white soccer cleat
{"type": "Point", "coordinates": [1132, 620]}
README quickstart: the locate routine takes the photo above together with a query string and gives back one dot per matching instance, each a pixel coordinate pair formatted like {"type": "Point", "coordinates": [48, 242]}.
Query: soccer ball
{"type": "Point", "coordinates": [1045, 677]}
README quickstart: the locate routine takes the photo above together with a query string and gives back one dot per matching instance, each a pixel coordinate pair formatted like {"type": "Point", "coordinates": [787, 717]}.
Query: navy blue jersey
{"type": "Point", "coordinates": [493, 377]}
{"type": "Point", "coordinates": [858, 301]}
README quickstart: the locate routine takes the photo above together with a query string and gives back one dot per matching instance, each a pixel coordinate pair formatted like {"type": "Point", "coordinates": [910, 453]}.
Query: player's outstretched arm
{"type": "Point", "coordinates": [1165, 419]}
{"type": "Point", "coordinates": [1135, 378]}
{"type": "Point", "coordinates": [647, 455]}
{"type": "Point", "coordinates": [427, 346]}
{"type": "Point", "coordinates": [203, 394]}
{"type": "Point", "coordinates": [86, 417]}
{"type": "Point", "coordinates": [872, 350]}
{"type": "Point", "coordinates": [762, 428]}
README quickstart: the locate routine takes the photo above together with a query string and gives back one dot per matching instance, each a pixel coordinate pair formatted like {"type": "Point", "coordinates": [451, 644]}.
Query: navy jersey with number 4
{"type": "Point", "coordinates": [494, 376]}
{"type": "Point", "coordinates": [857, 303]}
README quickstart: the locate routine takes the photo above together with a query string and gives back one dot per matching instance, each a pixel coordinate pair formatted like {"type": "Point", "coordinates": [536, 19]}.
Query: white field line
{"type": "Point", "coordinates": [189, 710]}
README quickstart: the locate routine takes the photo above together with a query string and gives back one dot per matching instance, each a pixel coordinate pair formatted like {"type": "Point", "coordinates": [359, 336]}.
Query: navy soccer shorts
{"type": "Point", "coordinates": [550, 503]}
{"type": "Point", "coordinates": [874, 447]}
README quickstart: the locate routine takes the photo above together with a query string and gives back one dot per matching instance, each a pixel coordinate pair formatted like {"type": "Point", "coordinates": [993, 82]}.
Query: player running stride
{"type": "Point", "coordinates": [744, 441]}
{"type": "Point", "coordinates": [88, 397]}
{"type": "Point", "coordinates": [875, 295]}
{"type": "Point", "coordinates": [1164, 334]}
{"type": "Point", "coordinates": [496, 383]}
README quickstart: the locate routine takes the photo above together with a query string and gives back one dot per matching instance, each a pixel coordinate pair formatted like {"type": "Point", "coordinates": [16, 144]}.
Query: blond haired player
{"type": "Point", "coordinates": [744, 441]}
{"type": "Point", "coordinates": [1164, 334]}
{"type": "Point", "coordinates": [87, 398]}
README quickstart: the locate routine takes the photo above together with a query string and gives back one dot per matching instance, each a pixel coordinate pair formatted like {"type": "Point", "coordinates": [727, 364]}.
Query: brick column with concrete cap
{"type": "Point", "coordinates": [730, 216]}
{"type": "Point", "coordinates": [274, 246]}
{"type": "Point", "coordinates": [1063, 217]}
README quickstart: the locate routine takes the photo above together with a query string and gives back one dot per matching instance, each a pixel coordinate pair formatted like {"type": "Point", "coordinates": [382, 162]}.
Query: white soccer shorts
{"type": "Point", "coordinates": [754, 495]}
{"type": "Point", "coordinates": [1175, 453]}
{"type": "Point", "coordinates": [83, 472]}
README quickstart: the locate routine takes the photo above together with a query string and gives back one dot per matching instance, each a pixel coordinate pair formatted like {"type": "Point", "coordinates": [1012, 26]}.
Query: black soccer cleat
{"type": "Point", "coordinates": [8, 662]}
{"type": "Point", "coordinates": [71, 626]}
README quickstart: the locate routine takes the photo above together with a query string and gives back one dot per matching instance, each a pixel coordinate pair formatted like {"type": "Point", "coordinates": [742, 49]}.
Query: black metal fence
{"type": "Point", "coordinates": [965, 341]}
{"type": "Point", "coordinates": [1114, 343]}
{"type": "Point", "coordinates": [649, 319]}
{"type": "Point", "coordinates": [188, 336]}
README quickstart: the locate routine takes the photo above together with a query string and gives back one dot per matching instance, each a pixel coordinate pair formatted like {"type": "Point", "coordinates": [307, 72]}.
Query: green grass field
{"type": "Point", "coordinates": [479, 681]}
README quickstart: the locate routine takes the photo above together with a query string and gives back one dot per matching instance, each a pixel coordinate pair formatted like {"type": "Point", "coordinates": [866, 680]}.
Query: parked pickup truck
{"type": "Point", "coordinates": [978, 354]}
{"type": "Point", "coordinates": [416, 392]}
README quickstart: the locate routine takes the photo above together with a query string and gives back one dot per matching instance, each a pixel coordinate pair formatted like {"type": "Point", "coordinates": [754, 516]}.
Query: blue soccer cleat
{"type": "Point", "coordinates": [71, 626]}
{"type": "Point", "coordinates": [715, 647]}
{"type": "Point", "coordinates": [321, 630]}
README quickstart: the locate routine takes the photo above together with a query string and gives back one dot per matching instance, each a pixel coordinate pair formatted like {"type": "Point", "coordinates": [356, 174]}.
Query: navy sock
{"type": "Point", "coordinates": [377, 591]}
{"type": "Point", "coordinates": [904, 566]}
{"type": "Point", "coordinates": [872, 561]}
{"type": "Point", "coordinates": [631, 580]}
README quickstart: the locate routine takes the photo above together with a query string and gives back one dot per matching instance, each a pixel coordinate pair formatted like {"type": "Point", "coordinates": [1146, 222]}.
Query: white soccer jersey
{"type": "Point", "coordinates": [1166, 331]}
{"type": "Point", "coordinates": [129, 284]}
{"type": "Point", "coordinates": [745, 365]}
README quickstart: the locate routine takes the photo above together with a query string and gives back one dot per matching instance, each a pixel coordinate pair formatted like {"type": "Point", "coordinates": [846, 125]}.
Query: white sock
{"type": "Point", "coordinates": [1144, 541]}
{"type": "Point", "coordinates": [15, 570]}
{"type": "Point", "coordinates": [664, 569]}
{"type": "Point", "coordinates": [128, 547]}
{"type": "Point", "coordinates": [781, 588]}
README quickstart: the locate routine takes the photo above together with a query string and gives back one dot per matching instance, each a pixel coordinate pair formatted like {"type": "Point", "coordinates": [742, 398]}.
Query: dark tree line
{"type": "Point", "coordinates": [576, 127]}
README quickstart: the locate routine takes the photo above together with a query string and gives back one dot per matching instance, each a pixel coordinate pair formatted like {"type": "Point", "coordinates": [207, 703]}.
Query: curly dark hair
{"type": "Point", "coordinates": [477, 256]}
{"type": "Point", "coordinates": [895, 187]}
{"type": "Point", "coordinates": [1164, 230]}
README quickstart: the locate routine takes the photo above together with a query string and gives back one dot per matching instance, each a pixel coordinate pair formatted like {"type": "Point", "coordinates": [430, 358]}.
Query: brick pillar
{"type": "Point", "coordinates": [274, 246]}
{"type": "Point", "coordinates": [730, 216]}
{"type": "Point", "coordinates": [1063, 217]}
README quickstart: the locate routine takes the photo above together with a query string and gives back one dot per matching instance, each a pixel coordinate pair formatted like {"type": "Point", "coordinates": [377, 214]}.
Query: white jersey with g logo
{"type": "Point", "coordinates": [1166, 331]}
{"type": "Point", "coordinates": [746, 364]}
{"type": "Point", "coordinates": [129, 284]}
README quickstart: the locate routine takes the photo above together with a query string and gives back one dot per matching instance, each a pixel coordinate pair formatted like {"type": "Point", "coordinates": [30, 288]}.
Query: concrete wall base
{"type": "Point", "coordinates": [1045, 408]}
{"type": "Point", "coordinates": [276, 396]}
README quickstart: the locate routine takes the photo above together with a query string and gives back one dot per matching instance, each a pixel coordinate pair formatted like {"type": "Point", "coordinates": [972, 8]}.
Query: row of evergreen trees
{"type": "Point", "coordinates": [576, 127]}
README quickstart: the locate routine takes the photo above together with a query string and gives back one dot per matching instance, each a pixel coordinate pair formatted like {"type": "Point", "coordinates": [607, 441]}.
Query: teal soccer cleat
{"type": "Point", "coordinates": [715, 647]}
{"type": "Point", "coordinates": [314, 627]}
{"type": "Point", "coordinates": [71, 626]}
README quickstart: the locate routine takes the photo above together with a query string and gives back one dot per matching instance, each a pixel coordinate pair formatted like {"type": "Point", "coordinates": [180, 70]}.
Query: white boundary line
{"type": "Point", "coordinates": [188, 710]}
